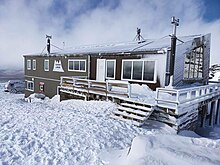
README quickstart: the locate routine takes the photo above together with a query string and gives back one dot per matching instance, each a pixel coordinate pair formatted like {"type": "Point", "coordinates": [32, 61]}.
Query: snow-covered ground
{"type": "Point", "coordinates": [77, 132]}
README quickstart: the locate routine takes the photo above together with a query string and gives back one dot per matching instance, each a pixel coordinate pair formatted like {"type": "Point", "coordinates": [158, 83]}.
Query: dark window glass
{"type": "Point", "coordinates": [137, 70]}
{"type": "Point", "coordinates": [149, 70]}
{"type": "Point", "coordinates": [194, 64]}
{"type": "Point", "coordinates": [76, 65]}
{"type": "Point", "coordinates": [30, 85]}
{"type": "Point", "coordinates": [82, 65]}
{"type": "Point", "coordinates": [70, 65]}
{"type": "Point", "coordinates": [46, 65]}
{"type": "Point", "coordinates": [110, 69]}
{"type": "Point", "coordinates": [127, 65]}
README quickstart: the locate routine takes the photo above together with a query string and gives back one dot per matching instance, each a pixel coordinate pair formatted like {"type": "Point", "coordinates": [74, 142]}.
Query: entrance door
{"type": "Point", "coordinates": [100, 70]}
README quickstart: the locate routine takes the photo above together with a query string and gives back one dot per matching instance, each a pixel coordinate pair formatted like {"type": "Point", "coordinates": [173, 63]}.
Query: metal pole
{"type": "Point", "coordinates": [175, 22]}
{"type": "Point", "coordinates": [48, 43]}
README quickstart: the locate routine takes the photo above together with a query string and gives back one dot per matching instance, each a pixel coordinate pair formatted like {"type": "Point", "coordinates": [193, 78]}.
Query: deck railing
{"type": "Point", "coordinates": [180, 96]}
{"type": "Point", "coordinates": [106, 88]}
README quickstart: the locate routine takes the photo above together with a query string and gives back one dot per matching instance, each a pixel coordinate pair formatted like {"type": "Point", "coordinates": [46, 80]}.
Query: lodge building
{"type": "Point", "coordinates": [184, 97]}
{"type": "Point", "coordinates": [143, 63]}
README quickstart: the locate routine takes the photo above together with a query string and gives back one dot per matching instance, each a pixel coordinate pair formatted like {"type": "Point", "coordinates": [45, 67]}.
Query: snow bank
{"type": "Point", "coordinates": [167, 149]}
{"type": "Point", "coordinates": [53, 132]}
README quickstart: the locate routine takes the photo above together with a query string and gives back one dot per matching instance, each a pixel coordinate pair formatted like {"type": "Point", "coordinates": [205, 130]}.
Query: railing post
{"type": "Point", "coordinates": [129, 90]}
{"type": "Point", "coordinates": [157, 91]}
{"type": "Point", "coordinates": [107, 88]}
{"type": "Point", "coordinates": [188, 95]}
{"type": "Point", "coordinates": [61, 80]}
{"type": "Point", "coordinates": [197, 92]}
{"type": "Point", "coordinates": [177, 96]}
{"type": "Point", "coordinates": [218, 113]}
{"type": "Point", "coordinates": [203, 91]}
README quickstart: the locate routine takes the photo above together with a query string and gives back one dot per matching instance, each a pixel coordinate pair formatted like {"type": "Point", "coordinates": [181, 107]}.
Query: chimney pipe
{"type": "Point", "coordinates": [48, 43]}
{"type": "Point", "coordinates": [175, 22]}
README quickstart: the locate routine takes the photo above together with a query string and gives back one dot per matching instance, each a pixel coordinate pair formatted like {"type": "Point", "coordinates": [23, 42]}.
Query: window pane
{"type": "Point", "coordinates": [110, 69]}
{"type": "Point", "coordinates": [194, 64]}
{"type": "Point", "coordinates": [46, 65]}
{"type": "Point", "coordinates": [34, 64]}
{"type": "Point", "coordinates": [82, 65]}
{"type": "Point", "coordinates": [28, 64]}
{"type": "Point", "coordinates": [137, 70]}
{"type": "Point", "coordinates": [70, 65]}
{"type": "Point", "coordinates": [30, 85]}
{"type": "Point", "coordinates": [149, 70]}
{"type": "Point", "coordinates": [127, 69]}
{"type": "Point", "coordinates": [186, 67]}
{"type": "Point", "coordinates": [76, 65]}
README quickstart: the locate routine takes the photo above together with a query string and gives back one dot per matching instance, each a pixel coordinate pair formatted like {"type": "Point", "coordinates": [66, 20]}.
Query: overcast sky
{"type": "Point", "coordinates": [24, 23]}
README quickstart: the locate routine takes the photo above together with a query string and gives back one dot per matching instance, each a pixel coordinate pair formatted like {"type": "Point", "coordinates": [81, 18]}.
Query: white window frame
{"type": "Point", "coordinates": [77, 60]}
{"type": "Point", "coordinates": [45, 69]}
{"type": "Point", "coordinates": [28, 86]}
{"type": "Point", "coordinates": [28, 64]}
{"type": "Point", "coordinates": [34, 64]}
{"type": "Point", "coordinates": [107, 68]}
{"type": "Point", "coordinates": [143, 60]}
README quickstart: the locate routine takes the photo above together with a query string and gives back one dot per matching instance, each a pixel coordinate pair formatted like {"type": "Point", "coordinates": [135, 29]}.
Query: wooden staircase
{"type": "Point", "coordinates": [133, 112]}
{"type": "Point", "coordinates": [119, 92]}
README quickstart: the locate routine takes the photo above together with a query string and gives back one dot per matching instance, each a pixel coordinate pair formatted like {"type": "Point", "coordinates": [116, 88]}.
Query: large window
{"type": "Point", "coordinates": [77, 65]}
{"type": "Point", "coordinates": [110, 69]}
{"type": "Point", "coordinates": [46, 65]}
{"type": "Point", "coordinates": [28, 64]}
{"type": "Point", "coordinates": [194, 64]}
{"type": "Point", "coordinates": [30, 85]}
{"type": "Point", "coordinates": [138, 70]}
{"type": "Point", "coordinates": [34, 64]}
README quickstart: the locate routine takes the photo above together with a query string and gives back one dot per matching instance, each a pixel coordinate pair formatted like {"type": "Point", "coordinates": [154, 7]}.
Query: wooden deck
{"type": "Point", "coordinates": [128, 110]}
{"type": "Point", "coordinates": [179, 108]}
{"type": "Point", "coordinates": [188, 108]}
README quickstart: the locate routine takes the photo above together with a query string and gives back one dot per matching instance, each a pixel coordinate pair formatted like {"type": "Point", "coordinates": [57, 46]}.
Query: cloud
{"type": "Point", "coordinates": [24, 24]}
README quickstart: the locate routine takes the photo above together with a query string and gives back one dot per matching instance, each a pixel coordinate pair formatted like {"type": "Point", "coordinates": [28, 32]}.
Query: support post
{"type": "Point", "coordinates": [212, 113]}
{"type": "Point", "coordinates": [217, 113]}
{"type": "Point", "coordinates": [204, 114]}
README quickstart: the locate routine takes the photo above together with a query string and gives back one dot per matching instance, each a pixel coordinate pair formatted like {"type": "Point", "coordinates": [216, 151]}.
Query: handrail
{"type": "Point", "coordinates": [180, 96]}
{"type": "Point", "coordinates": [107, 87]}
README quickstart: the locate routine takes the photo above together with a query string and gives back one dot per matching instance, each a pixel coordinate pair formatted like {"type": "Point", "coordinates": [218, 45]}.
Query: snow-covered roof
{"type": "Point", "coordinates": [148, 45]}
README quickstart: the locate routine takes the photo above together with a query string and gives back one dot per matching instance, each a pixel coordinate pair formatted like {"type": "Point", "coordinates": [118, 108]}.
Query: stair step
{"type": "Point", "coordinates": [136, 123]}
{"type": "Point", "coordinates": [134, 111]}
{"type": "Point", "coordinates": [132, 116]}
{"type": "Point", "coordinates": [137, 107]}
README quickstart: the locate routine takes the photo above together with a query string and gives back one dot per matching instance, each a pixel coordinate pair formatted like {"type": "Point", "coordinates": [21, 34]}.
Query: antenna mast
{"type": "Point", "coordinates": [139, 37]}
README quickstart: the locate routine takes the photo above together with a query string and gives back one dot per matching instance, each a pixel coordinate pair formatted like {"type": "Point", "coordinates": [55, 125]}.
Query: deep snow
{"type": "Point", "coordinates": [77, 132]}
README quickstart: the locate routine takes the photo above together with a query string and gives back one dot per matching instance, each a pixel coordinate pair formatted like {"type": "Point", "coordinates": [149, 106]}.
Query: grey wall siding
{"type": "Point", "coordinates": [39, 72]}
{"type": "Point", "coordinates": [181, 50]}
{"type": "Point", "coordinates": [50, 87]}
{"type": "Point", "coordinates": [50, 78]}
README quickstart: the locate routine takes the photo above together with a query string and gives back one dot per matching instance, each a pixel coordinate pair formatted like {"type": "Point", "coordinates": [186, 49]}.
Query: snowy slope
{"type": "Point", "coordinates": [77, 132]}
{"type": "Point", "coordinates": [167, 149]}
{"type": "Point", "coordinates": [49, 132]}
